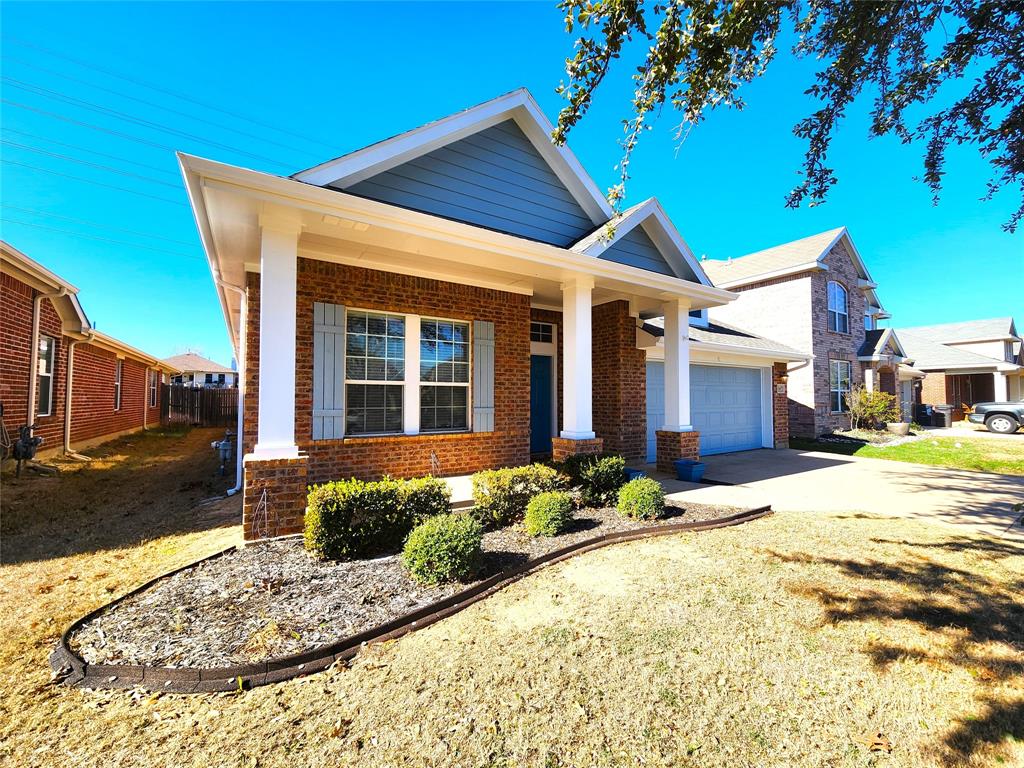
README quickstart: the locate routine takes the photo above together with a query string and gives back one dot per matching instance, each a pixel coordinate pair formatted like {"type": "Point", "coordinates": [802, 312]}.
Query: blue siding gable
{"type": "Point", "coordinates": [494, 178]}
{"type": "Point", "coordinates": [636, 249]}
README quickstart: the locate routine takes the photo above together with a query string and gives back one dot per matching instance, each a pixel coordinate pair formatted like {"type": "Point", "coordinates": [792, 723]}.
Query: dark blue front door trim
{"type": "Point", "coordinates": [540, 403]}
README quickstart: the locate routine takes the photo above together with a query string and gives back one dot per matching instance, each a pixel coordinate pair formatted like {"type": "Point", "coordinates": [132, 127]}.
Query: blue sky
{"type": "Point", "coordinates": [300, 83]}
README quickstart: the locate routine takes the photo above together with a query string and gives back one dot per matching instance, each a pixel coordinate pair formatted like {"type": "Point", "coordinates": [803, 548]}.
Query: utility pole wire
{"type": "Point", "coordinates": [91, 181]}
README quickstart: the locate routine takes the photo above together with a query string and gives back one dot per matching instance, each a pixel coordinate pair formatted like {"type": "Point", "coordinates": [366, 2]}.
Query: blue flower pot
{"type": "Point", "coordinates": [689, 471]}
{"type": "Point", "coordinates": [634, 474]}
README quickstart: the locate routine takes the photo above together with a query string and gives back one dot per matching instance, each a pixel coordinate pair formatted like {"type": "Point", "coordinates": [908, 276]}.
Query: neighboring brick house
{"type": "Point", "coordinates": [455, 298]}
{"type": "Point", "coordinates": [966, 363]}
{"type": "Point", "coordinates": [201, 373]}
{"type": "Point", "coordinates": [816, 296]}
{"type": "Point", "coordinates": [115, 388]}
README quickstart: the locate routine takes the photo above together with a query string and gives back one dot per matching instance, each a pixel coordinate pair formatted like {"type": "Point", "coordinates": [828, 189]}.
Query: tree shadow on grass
{"type": "Point", "coordinates": [969, 609]}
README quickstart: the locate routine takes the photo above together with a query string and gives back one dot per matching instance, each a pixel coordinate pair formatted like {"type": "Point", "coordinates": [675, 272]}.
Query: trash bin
{"type": "Point", "coordinates": [942, 415]}
{"type": "Point", "coordinates": [923, 415]}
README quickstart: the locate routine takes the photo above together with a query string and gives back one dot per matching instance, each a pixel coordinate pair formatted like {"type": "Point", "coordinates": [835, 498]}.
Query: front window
{"type": "Point", "coordinates": [542, 332]}
{"type": "Point", "coordinates": [44, 376]}
{"type": "Point", "coordinates": [374, 372]}
{"type": "Point", "coordinates": [117, 384]}
{"type": "Point", "coordinates": [869, 322]}
{"type": "Point", "coordinates": [444, 363]}
{"type": "Point", "coordinates": [838, 315]}
{"type": "Point", "coordinates": [839, 384]}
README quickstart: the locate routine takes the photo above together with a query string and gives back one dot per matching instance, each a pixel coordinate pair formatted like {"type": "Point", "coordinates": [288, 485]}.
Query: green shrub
{"type": "Point", "coordinates": [425, 497]}
{"type": "Point", "coordinates": [501, 495]}
{"type": "Point", "coordinates": [444, 548]}
{"type": "Point", "coordinates": [354, 518]}
{"type": "Point", "coordinates": [641, 499]}
{"type": "Point", "coordinates": [548, 514]}
{"type": "Point", "coordinates": [871, 409]}
{"type": "Point", "coordinates": [598, 476]}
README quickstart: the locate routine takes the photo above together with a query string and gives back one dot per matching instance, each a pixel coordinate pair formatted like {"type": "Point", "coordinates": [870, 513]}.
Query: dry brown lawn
{"type": "Point", "coordinates": [795, 640]}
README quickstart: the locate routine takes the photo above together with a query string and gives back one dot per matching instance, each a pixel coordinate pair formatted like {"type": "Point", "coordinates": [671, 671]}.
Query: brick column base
{"type": "Point", "coordinates": [780, 404]}
{"type": "Point", "coordinates": [284, 482]}
{"type": "Point", "coordinates": [676, 445]}
{"type": "Point", "coordinates": [563, 447]}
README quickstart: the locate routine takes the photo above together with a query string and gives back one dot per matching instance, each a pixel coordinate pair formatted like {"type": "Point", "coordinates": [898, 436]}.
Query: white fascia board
{"type": "Point", "coordinates": [518, 105]}
{"type": "Point", "coordinates": [701, 352]}
{"type": "Point", "coordinates": [810, 266]}
{"type": "Point", "coordinates": [288, 192]}
{"type": "Point", "coordinates": [768, 354]}
{"type": "Point", "coordinates": [980, 340]}
{"type": "Point", "coordinates": [118, 347]}
{"type": "Point", "coordinates": [33, 269]}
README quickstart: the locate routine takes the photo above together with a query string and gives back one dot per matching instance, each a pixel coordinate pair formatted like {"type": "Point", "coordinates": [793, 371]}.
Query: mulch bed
{"type": "Point", "coordinates": [274, 599]}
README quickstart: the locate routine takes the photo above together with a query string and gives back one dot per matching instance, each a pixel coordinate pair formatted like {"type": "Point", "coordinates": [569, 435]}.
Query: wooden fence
{"type": "Point", "coordinates": [199, 407]}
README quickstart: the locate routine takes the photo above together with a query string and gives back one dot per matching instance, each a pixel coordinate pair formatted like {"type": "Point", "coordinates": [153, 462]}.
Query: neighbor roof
{"type": "Point", "coordinates": [930, 354]}
{"type": "Point", "coordinates": [729, 336]}
{"type": "Point", "coordinates": [190, 361]}
{"type": "Point", "coordinates": [967, 330]}
{"type": "Point", "coordinates": [805, 252]}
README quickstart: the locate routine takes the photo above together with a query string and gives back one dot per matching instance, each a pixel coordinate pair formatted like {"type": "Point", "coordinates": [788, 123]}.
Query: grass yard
{"type": "Point", "coordinates": [1004, 457]}
{"type": "Point", "coordinates": [778, 643]}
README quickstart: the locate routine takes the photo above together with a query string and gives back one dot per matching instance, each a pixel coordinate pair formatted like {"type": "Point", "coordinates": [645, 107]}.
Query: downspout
{"type": "Point", "coordinates": [239, 469]}
{"type": "Point", "coordinates": [67, 397]}
{"type": "Point", "coordinates": [33, 358]}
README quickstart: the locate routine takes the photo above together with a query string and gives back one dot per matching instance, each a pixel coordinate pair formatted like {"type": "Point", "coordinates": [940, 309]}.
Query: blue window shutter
{"type": "Point", "coordinates": [483, 376]}
{"type": "Point", "coordinates": [328, 371]}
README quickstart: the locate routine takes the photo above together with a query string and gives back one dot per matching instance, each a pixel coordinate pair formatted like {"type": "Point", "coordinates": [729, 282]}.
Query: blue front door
{"type": "Point", "coordinates": [540, 404]}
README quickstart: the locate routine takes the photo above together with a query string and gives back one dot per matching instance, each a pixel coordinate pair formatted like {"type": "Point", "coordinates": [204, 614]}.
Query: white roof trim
{"type": "Point", "coordinates": [518, 105]}
{"type": "Point", "coordinates": [40, 278]}
{"type": "Point", "coordinates": [666, 237]}
{"type": "Point", "coordinates": [118, 347]}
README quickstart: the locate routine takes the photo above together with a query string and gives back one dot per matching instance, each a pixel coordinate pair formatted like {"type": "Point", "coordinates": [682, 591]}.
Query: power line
{"type": "Point", "coordinates": [91, 181]}
{"type": "Point", "coordinates": [98, 166]}
{"type": "Point", "coordinates": [99, 225]}
{"type": "Point", "coordinates": [80, 148]}
{"type": "Point", "coordinates": [101, 239]}
{"type": "Point", "coordinates": [169, 92]}
{"type": "Point", "coordinates": [124, 95]}
{"type": "Point", "coordinates": [93, 107]}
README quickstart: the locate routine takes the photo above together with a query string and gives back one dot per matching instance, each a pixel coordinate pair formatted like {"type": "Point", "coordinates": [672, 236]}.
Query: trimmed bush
{"type": "Point", "coordinates": [354, 518]}
{"type": "Point", "coordinates": [444, 548]}
{"type": "Point", "coordinates": [642, 499]}
{"type": "Point", "coordinates": [598, 476]}
{"type": "Point", "coordinates": [548, 514]}
{"type": "Point", "coordinates": [501, 495]}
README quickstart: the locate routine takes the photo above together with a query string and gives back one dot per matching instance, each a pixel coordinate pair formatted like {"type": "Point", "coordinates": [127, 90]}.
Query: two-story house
{"type": "Point", "coordinates": [815, 295]}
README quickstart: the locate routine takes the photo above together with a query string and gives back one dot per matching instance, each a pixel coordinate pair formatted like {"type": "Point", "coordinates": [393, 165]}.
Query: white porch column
{"type": "Point", "coordinates": [577, 367]}
{"type": "Point", "coordinates": [869, 379]}
{"type": "Point", "coordinates": [1001, 393]}
{"type": "Point", "coordinates": [275, 434]}
{"type": "Point", "coordinates": [677, 366]}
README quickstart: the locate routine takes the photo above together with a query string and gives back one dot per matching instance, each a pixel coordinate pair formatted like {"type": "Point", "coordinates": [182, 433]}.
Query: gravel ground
{"type": "Point", "coordinates": [273, 599]}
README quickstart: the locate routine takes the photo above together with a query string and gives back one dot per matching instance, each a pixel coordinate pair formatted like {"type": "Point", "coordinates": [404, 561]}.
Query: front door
{"type": "Point", "coordinates": [541, 414]}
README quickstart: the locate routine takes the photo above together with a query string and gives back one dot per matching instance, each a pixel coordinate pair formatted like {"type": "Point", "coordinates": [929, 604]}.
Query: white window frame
{"type": "Point", "coordinates": [403, 382]}
{"type": "Point", "coordinates": [48, 375]}
{"type": "Point", "coordinates": [467, 384]}
{"type": "Point", "coordinates": [118, 374]}
{"type": "Point", "coordinates": [833, 309]}
{"type": "Point", "coordinates": [836, 365]}
{"type": "Point", "coordinates": [152, 388]}
{"type": "Point", "coordinates": [869, 321]}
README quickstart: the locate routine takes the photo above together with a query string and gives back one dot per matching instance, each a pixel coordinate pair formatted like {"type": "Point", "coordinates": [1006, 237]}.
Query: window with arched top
{"type": "Point", "coordinates": [838, 309]}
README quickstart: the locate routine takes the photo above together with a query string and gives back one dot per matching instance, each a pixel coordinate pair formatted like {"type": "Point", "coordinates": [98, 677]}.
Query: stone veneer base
{"type": "Point", "coordinates": [672, 446]}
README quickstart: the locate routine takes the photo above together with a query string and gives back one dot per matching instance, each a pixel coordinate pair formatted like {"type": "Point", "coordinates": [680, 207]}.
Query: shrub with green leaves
{"type": "Point", "coordinates": [548, 514]}
{"type": "Point", "coordinates": [642, 499]}
{"type": "Point", "coordinates": [598, 476]}
{"type": "Point", "coordinates": [501, 495]}
{"type": "Point", "coordinates": [444, 548]}
{"type": "Point", "coordinates": [355, 518]}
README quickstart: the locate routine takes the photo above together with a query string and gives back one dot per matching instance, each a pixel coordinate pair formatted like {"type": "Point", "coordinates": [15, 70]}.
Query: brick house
{"type": "Point", "coordinates": [816, 296]}
{"type": "Point", "coordinates": [966, 363]}
{"type": "Point", "coordinates": [47, 341]}
{"type": "Point", "coordinates": [456, 298]}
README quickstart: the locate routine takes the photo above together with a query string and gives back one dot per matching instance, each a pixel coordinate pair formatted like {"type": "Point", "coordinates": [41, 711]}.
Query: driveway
{"type": "Point", "coordinates": [805, 481]}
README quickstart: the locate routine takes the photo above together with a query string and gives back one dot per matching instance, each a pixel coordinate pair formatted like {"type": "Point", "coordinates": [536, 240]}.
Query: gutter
{"type": "Point", "coordinates": [33, 360]}
{"type": "Point", "coordinates": [239, 467]}
{"type": "Point", "coordinates": [67, 397]}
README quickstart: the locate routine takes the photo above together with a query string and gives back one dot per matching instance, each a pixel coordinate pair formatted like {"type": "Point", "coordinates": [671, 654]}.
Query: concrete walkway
{"type": "Point", "coordinates": [804, 481]}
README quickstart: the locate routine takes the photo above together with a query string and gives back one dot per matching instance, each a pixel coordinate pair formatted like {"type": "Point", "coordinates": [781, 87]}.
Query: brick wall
{"type": "Point", "coordinates": [399, 455]}
{"type": "Point", "coordinates": [92, 398]}
{"type": "Point", "coordinates": [780, 405]}
{"type": "Point", "coordinates": [281, 511]}
{"type": "Point", "coordinates": [676, 445]}
{"type": "Point", "coordinates": [620, 382]}
{"type": "Point", "coordinates": [934, 389]}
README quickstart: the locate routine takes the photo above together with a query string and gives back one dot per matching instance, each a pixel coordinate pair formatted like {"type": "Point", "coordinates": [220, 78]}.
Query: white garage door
{"type": "Point", "coordinates": [725, 406]}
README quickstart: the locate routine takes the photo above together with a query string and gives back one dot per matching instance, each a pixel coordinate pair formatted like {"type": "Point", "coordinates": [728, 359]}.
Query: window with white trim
{"type": "Point", "coordinates": [839, 384]}
{"type": "Point", "coordinates": [869, 321]}
{"type": "Point", "coordinates": [374, 372]}
{"type": "Point", "coordinates": [444, 363]}
{"type": "Point", "coordinates": [117, 384]}
{"type": "Point", "coordinates": [152, 388]}
{"type": "Point", "coordinates": [838, 310]}
{"type": "Point", "coordinates": [44, 376]}
{"type": "Point", "coordinates": [543, 333]}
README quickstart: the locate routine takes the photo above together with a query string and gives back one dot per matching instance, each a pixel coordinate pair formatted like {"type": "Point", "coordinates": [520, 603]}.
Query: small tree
{"type": "Point", "coordinates": [871, 408]}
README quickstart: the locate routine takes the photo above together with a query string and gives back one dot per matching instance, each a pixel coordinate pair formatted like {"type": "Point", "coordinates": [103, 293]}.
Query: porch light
{"type": "Point", "coordinates": [784, 378]}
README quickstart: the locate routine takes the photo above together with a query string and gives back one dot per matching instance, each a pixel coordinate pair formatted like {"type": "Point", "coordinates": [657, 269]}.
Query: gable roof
{"type": "Point", "coordinates": [876, 341]}
{"type": "Point", "coordinates": [991, 329]}
{"type": "Point", "coordinates": [649, 218]}
{"type": "Point", "coordinates": [930, 354]}
{"type": "Point", "coordinates": [190, 361]}
{"type": "Point", "coordinates": [518, 106]}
